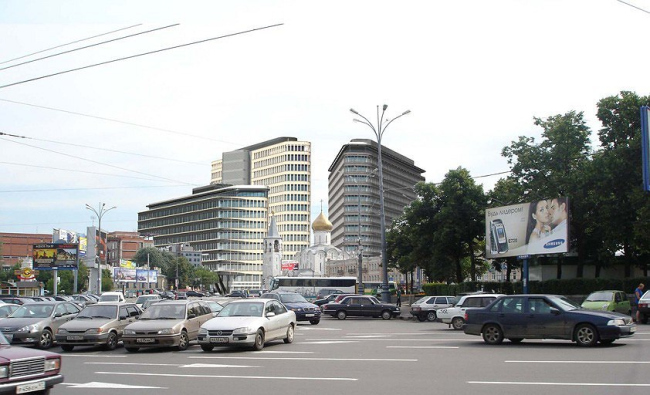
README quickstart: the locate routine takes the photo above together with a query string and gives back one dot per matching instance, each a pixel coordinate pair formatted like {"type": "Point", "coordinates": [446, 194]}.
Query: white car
{"type": "Point", "coordinates": [249, 322]}
{"type": "Point", "coordinates": [455, 316]}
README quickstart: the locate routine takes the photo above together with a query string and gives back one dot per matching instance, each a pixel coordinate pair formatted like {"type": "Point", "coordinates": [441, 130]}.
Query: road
{"type": "Point", "coordinates": [363, 356]}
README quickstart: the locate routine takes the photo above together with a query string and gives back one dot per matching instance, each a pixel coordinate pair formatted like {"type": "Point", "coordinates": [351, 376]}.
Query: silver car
{"type": "Point", "coordinates": [249, 322]}
{"type": "Point", "coordinates": [36, 323]}
{"type": "Point", "coordinates": [100, 324]}
{"type": "Point", "coordinates": [171, 323]}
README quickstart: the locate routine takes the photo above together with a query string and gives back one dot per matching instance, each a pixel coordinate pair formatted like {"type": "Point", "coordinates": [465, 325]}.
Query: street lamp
{"type": "Point", "coordinates": [100, 213]}
{"type": "Point", "coordinates": [379, 133]}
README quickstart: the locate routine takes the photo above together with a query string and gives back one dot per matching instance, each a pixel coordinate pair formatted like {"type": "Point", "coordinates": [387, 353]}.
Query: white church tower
{"type": "Point", "coordinates": [272, 259]}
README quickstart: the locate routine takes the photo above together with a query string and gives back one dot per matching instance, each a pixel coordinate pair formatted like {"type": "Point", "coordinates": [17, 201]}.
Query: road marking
{"type": "Point", "coordinates": [285, 352]}
{"type": "Point", "coordinates": [586, 362]}
{"type": "Point", "coordinates": [96, 384]}
{"type": "Point", "coordinates": [194, 365]}
{"type": "Point", "coordinates": [559, 384]}
{"type": "Point", "coordinates": [313, 359]}
{"type": "Point", "coordinates": [92, 356]}
{"type": "Point", "coordinates": [441, 347]}
{"type": "Point", "coordinates": [207, 376]}
{"type": "Point", "coordinates": [473, 339]}
{"type": "Point", "coordinates": [367, 336]}
{"type": "Point", "coordinates": [312, 328]}
{"type": "Point", "coordinates": [329, 342]}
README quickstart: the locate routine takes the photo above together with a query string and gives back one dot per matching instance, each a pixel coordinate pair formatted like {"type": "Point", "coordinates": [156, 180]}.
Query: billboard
{"type": "Point", "coordinates": [48, 256]}
{"type": "Point", "coordinates": [125, 275]}
{"type": "Point", "coordinates": [289, 265]}
{"type": "Point", "coordinates": [65, 235]}
{"type": "Point", "coordinates": [540, 227]}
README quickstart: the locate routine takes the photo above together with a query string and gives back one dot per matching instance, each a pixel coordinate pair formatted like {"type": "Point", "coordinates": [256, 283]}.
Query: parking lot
{"type": "Point", "coordinates": [369, 355]}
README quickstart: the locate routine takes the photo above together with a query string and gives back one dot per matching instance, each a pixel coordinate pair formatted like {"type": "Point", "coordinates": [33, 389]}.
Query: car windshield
{"type": "Point", "coordinates": [599, 297]}
{"type": "Point", "coordinates": [292, 298]}
{"type": "Point", "coordinates": [33, 311]}
{"type": "Point", "coordinates": [249, 309]}
{"type": "Point", "coordinates": [143, 298]}
{"type": "Point", "coordinates": [565, 303]}
{"type": "Point", "coordinates": [98, 311]}
{"type": "Point", "coordinates": [161, 311]}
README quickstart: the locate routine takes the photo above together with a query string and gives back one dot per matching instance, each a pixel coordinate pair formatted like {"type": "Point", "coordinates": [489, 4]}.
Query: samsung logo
{"type": "Point", "coordinates": [554, 243]}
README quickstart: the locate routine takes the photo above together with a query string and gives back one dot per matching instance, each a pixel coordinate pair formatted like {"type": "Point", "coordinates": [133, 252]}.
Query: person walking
{"type": "Point", "coordinates": [399, 298]}
{"type": "Point", "coordinates": [638, 293]}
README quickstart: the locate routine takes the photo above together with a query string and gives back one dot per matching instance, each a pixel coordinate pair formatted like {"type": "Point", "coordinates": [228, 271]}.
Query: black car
{"type": "Point", "coordinates": [519, 317]}
{"type": "Point", "coordinates": [194, 293]}
{"type": "Point", "coordinates": [305, 311]}
{"type": "Point", "coordinates": [361, 306]}
{"type": "Point", "coordinates": [237, 294]}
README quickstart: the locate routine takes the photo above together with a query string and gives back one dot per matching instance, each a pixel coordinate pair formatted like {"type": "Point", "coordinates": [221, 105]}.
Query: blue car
{"type": "Point", "coordinates": [305, 311]}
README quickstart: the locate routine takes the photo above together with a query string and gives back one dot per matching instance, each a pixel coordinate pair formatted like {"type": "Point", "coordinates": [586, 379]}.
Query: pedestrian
{"type": "Point", "coordinates": [638, 293]}
{"type": "Point", "coordinates": [399, 298]}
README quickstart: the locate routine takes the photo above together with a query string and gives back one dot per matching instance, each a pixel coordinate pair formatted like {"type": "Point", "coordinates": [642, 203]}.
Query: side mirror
{"type": "Point", "coordinates": [123, 317]}
{"type": "Point", "coordinates": [57, 315]}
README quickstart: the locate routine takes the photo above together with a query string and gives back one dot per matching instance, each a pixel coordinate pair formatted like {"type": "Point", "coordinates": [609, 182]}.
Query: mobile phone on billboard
{"type": "Point", "coordinates": [500, 236]}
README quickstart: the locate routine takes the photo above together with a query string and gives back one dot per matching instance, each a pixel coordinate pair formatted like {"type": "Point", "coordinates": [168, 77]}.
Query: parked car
{"type": "Point", "coordinates": [83, 300]}
{"type": "Point", "coordinates": [608, 301]}
{"type": "Point", "coordinates": [112, 297]}
{"type": "Point", "coordinates": [424, 309]}
{"type": "Point", "coordinates": [7, 308]}
{"type": "Point", "coordinates": [361, 306]}
{"type": "Point", "coordinates": [325, 300]}
{"type": "Point", "coordinates": [143, 298]}
{"type": "Point", "coordinates": [519, 317]}
{"type": "Point", "coordinates": [194, 294]}
{"type": "Point", "coordinates": [250, 322]}
{"type": "Point", "coordinates": [173, 323]}
{"type": "Point", "coordinates": [27, 370]}
{"type": "Point", "coordinates": [305, 311]}
{"type": "Point", "coordinates": [181, 296]}
{"type": "Point", "coordinates": [215, 306]}
{"type": "Point", "coordinates": [149, 302]}
{"type": "Point", "coordinates": [455, 316]}
{"type": "Point", "coordinates": [100, 324]}
{"type": "Point", "coordinates": [36, 323]}
{"type": "Point", "coordinates": [237, 294]}
{"type": "Point", "coordinates": [324, 292]}
{"type": "Point", "coordinates": [644, 308]}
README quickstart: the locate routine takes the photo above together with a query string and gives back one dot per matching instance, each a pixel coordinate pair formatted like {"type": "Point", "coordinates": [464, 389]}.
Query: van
{"type": "Point", "coordinates": [112, 297]}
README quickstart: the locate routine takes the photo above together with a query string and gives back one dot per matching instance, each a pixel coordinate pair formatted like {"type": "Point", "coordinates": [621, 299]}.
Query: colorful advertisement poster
{"type": "Point", "coordinates": [289, 265]}
{"type": "Point", "coordinates": [127, 264]}
{"type": "Point", "coordinates": [535, 228]}
{"type": "Point", "coordinates": [124, 275]}
{"type": "Point", "coordinates": [48, 256]}
{"type": "Point", "coordinates": [146, 276]}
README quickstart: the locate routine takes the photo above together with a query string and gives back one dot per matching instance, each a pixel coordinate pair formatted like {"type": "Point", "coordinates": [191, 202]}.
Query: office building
{"type": "Point", "coordinates": [354, 194]}
{"type": "Point", "coordinates": [284, 165]}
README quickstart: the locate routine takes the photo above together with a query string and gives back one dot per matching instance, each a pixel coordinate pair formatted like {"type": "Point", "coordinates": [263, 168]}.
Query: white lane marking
{"type": "Point", "coordinates": [194, 365]}
{"type": "Point", "coordinates": [437, 347]}
{"type": "Point", "coordinates": [92, 356]}
{"type": "Point", "coordinates": [313, 328]}
{"type": "Point", "coordinates": [285, 352]}
{"type": "Point", "coordinates": [367, 336]}
{"type": "Point", "coordinates": [312, 359]}
{"type": "Point", "coordinates": [329, 342]}
{"type": "Point", "coordinates": [95, 384]}
{"type": "Point", "coordinates": [473, 339]}
{"type": "Point", "coordinates": [559, 384]}
{"type": "Point", "coordinates": [207, 376]}
{"type": "Point", "coordinates": [586, 362]}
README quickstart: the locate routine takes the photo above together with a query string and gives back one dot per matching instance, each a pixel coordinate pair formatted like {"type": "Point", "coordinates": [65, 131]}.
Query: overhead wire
{"type": "Point", "coordinates": [140, 55]}
{"type": "Point", "coordinates": [70, 43]}
{"type": "Point", "coordinates": [88, 46]}
{"type": "Point", "coordinates": [633, 6]}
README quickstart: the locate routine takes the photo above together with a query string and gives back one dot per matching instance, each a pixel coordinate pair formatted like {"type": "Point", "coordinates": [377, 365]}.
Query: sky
{"type": "Point", "coordinates": [139, 130]}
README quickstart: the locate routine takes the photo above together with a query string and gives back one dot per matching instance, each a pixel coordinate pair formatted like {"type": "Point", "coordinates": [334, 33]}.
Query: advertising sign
{"type": "Point", "coordinates": [535, 228]}
{"type": "Point", "coordinates": [127, 264]}
{"type": "Point", "coordinates": [289, 265]}
{"type": "Point", "coordinates": [48, 256]}
{"type": "Point", "coordinates": [146, 276]}
{"type": "Point", "coordinates": [124, 275]}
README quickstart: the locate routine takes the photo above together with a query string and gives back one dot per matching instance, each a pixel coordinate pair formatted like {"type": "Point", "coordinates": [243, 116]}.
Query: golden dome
{"type": "Point", "coordinates": [322, 224]}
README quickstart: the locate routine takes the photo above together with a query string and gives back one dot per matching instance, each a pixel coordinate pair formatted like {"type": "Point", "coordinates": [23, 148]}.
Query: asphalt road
{"type": "Point", "coordinates": [368, 356]}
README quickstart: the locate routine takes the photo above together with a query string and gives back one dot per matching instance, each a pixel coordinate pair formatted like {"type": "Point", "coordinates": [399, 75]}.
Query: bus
{"type": "Point", "coordinates": [373, 288]}
{"type": "Point", "coordinates": [310, 286]}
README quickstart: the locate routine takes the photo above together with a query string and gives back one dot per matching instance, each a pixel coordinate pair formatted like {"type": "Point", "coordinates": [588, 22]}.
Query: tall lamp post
{"type": "Point", "coordinates": [379, 133]}
{"type": "Point", "coordinates": [100, 213]}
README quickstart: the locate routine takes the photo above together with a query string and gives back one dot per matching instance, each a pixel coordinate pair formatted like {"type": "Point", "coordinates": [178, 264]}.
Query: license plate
{"type": "Point", "coordinates": [218, 340]}
{"type": "Point", "coordinates": [309, 315]}
{"type": "Point", "coordinates": [31, 387]}
{"type": "Point", "coordinates": [77, 337]}
{"type": "Point", "coordinates": [145, 340]}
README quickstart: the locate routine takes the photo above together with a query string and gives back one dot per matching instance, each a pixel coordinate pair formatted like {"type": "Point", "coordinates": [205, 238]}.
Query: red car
{"type": "Point", "coordinates": [26, 370]}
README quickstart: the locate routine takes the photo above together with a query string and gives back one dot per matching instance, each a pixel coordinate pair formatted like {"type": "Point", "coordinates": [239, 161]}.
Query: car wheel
{"type": "Point", "coordinates": [67, 347]}
{"type": "Point", "coordinates": [516, 340]}
{"type": "Point", "coordinates": [586, 335]}
{"type": "Point", "coordinates": [386, 315]}
{"type": "Point", "coordinates": [207, 347]}
{"type": "Point", "coordinates": [457, 323]}
{"type": "Point", "coordinates": [431, 316]}
{"type": "Point", "coordinates": [314, 322]}
{"type": "Point", "coordinates": [492, 334]}
{"type": "Point", "coordinates": [45, 340]}
{"type": "Point", "coordinates": [183, 341]}
{"type": "Point", "coordinates": [607, 342]}
{"type": "Point", "coordinates": [290, 333]}
{"type": "Point", "coordinates": [421, 318]}
{"type": "Point", "coordinates": [131, 349]}
{"type": "Point", "coordinates": [259, 340]}
{"type": "Point", "coordinates": [341, 314]}
{"type": "Point", "coordinates": [111, 342]}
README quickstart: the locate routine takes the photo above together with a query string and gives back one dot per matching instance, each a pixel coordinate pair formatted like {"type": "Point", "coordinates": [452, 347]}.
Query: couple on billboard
{"type": "Point", "coordinates": [547, 220]}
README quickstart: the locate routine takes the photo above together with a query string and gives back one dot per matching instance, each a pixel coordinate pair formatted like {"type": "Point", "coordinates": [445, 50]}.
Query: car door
{"type": "Point", "coordinates": [511, 316]}
{"type": "Point", "coordinates": [60, 316]}
{"type": "Point", "coordinates": [280, 320]}
{"type": "Point", "coordinates": [193, 321]}
{"type": "Point", "coordinates": [621, 303]}
{"type": "Point", "coordinates": [352, 306]}
{"type": "Point", "coordinates": [542, 322]}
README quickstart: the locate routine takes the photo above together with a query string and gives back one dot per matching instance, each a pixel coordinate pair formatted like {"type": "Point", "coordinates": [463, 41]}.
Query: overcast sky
{"type": "Point", "coordinates": [143, 130]}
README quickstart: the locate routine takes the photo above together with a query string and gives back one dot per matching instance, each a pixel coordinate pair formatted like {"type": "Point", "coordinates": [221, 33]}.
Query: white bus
{"type": "Point", "coordinates": [310, 286]}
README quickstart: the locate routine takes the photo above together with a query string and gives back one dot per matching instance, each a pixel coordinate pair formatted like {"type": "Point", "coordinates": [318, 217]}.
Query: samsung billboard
{"type": "Point", "coordinates": [539, 227]}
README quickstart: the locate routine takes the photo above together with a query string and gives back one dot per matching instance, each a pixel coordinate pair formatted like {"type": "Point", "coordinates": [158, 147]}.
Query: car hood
{"type": "Point", "coordinates": [230, 323]}
{"type": "Point", "coordinates": [20, 322]}
{"type": "Point", "coordinates": [8, 353]}
{"type": "Point", "coordinates": [153, 324]}
{"type": "Point", "coordinates": [301, 305]}
{"type": "Point", "coordinates": [595, 305]}
{"type": "Point", "coordinates": [78, 324]}
{"type": "Point", "coordinates": [605, 314]}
